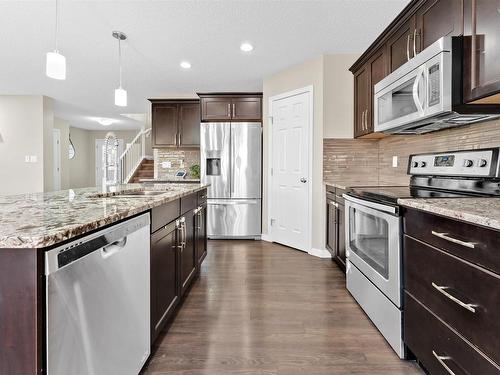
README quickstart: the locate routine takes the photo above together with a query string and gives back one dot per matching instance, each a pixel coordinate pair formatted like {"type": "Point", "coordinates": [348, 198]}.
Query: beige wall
{"type": "Point", "coordinates": [80, 169]}
{"type": "Point", "coordinates": [63, 127]}
{"type": "Point", "coordinates": [309, 73]}
{"type": "Point", "coordinates": [25, 124]}
{"type": "Point", "coordinates": [338, 96]}
{"type": "Point", "coordinates": [48, 140]}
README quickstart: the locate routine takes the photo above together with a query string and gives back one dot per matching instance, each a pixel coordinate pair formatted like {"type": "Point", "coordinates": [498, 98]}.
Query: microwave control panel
{"type": "Point", "coordinates": [473, 163]}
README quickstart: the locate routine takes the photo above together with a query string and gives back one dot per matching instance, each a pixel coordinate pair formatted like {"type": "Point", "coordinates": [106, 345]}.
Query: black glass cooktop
{"type": "Point", "coordinates": [391, 194]}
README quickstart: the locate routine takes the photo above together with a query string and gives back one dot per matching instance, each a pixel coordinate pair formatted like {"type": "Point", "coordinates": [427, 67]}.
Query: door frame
{"type": "Point", "coordinates": [304, 90]}
{"type": "Point", "coordinates": [56, 159]}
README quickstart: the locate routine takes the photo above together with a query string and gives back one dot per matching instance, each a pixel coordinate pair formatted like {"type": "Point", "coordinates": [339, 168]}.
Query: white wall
{"type": "Point", "coordinates": [309, 73]}
{"type": "Point", "coordinates": [24, 124]}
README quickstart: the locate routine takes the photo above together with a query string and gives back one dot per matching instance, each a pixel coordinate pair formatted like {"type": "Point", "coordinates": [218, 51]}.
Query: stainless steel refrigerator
{"type": "Point", "coordinates": [231, 162]}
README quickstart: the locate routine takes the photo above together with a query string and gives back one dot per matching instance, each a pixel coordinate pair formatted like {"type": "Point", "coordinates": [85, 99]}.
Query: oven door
{"type": "Point", "coordinates": [373, 244]}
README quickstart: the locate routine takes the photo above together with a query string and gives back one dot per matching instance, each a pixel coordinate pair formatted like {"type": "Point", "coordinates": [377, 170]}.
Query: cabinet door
{"type": "Point", "coordinates": [399, 45]}
{"type": "Point", "coordinates": [189, 125]}
{"type": "Point", "coordinates": [164, 124]}
{"type": "Point", "coordinates": [331, 227]}
{"type": "Point", "coordinates": [435, 19]}
{"type": "Point", "coordinates": [377, 71]}
{"type": "Point", "coordinates": [340, 250]}
{"type": "Point", "coordinates": [165, 286]}
{"type": "Point", "coordinates": [247, 109]}
{"type": "Point", "coordinates": [216, 109]}
{"type": "Point", "coordinates": [482, 51]}
{"type": "Point", "coordinates": [188, 254]}
{"type": "Point", "coordinates": [361, 100]}
{"type": "Point", "coordinates": [201, 235]}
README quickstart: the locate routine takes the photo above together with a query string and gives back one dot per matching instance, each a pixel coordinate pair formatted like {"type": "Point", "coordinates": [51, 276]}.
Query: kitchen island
{"type": "Point", "coordinates": [31, 225]}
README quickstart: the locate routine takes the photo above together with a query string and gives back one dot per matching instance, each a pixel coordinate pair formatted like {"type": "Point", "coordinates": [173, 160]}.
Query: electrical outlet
{"type": "Point", "coordinates": [33, 159]}
{"type": "Point", "coordinates": [166, 164]}
{"type": "Point", "coordinates": [395, 161]}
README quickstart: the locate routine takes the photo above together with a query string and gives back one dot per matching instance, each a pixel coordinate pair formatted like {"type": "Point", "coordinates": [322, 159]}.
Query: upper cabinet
{"type": "Point", "coordinates": [231, 107]}
{"type": "Point", "coordinates": [419, 25]}
{"type": "Point", "coordinates": [175, 123]}
{"type": "Point", "coordinates": [481, 51]}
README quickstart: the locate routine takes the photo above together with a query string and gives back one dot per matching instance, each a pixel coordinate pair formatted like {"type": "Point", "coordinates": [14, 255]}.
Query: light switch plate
{"type": "Point", "coordinates": [166, 164]}
{"type": "Point", "coordinates": [395, 161]}
{"type": "Point", "coordinates": [26, 158]}
{"type": "Point", "coordinates": [33, 159]}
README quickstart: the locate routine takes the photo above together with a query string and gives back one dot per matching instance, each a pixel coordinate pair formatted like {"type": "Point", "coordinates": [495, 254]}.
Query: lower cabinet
{"type": "Point", "coordinates": [335, 226]}
{"type": "Point", "coordinates": [187, 249]}
{"type": "Point", "coordinates": [164, 277]}
{"type": "Point", "coordinates": [178, 247]}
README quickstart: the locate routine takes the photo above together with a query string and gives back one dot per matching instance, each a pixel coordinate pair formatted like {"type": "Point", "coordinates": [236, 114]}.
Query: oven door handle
{"type": "Point", "coordinates": [394, 210]}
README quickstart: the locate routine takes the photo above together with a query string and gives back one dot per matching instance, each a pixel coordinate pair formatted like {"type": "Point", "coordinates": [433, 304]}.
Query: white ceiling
{"type": "Point", "coordinates": [160, 35]}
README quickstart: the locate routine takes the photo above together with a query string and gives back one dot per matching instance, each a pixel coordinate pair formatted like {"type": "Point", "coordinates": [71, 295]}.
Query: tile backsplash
{"type": "Point", "coordinates": [371, 160]}
{"type": "Point", "coordinates": [178, 159]}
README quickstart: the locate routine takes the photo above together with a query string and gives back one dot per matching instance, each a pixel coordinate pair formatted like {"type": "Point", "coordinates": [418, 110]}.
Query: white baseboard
{"type": "Point", "coordinates": [266, 237]}
{"type": "Point", "coordinates": [320, 253]}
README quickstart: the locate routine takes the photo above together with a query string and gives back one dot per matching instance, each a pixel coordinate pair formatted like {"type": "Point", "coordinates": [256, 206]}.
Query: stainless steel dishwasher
{"type": "Point", "coordinates": [98, 305]}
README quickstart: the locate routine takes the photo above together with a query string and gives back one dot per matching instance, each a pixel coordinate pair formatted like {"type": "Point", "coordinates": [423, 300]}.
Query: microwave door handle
{"type": "Point", "coordinates": [416, 93]}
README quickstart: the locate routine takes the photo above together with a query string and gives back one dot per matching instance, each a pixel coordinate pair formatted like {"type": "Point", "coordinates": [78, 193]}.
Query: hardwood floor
{"type": "Point", "coordinates": [261, 308]}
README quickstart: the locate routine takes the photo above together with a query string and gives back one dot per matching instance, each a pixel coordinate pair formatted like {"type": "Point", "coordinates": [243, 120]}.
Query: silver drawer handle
{"type": "Point", "coordinates": [442, 290]}
{"type": "Point", "coordinates": [334, 204]}
{"type": "Point", "coordinates": [445, 236]}
{"type": "Point", "coordinates": [441, 360]}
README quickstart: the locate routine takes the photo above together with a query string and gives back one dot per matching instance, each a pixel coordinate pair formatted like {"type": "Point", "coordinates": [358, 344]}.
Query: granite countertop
{"type": "Point", "coordinates": [171, 180]}
{"type": "Point", "coordinates": [480, 211]}
{"type": "Point", "coordinates": [348, 184]}
{"type": "Point", "coordinates": [44, 219]}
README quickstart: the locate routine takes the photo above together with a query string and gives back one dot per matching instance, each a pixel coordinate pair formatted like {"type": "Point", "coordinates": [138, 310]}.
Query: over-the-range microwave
{"type": "Point", "coordinates": [425, 94]}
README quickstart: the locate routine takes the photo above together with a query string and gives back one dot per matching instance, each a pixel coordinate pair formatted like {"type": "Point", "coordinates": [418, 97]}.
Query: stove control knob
{"type": "Point", "coordinates": [414, 164]}
{"type": "Point", "coordinates": [483, 163]}
{"type": "Point", "coordinates": [423, 164]}
{"type": "Point", "coordinates": [468, 163]}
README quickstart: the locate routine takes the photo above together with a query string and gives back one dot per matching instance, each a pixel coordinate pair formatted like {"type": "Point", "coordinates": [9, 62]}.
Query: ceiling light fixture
{"type": "Point", "coordinates": [120, 92]}
{"type": "Point", "coordinates": [105, 121]}
{"type": "Point", "coordinates": [55, 66]}
{"type": "Point", "coordinates": [246, 47]}
{"type": "Point", "coordinates": [185, 65]}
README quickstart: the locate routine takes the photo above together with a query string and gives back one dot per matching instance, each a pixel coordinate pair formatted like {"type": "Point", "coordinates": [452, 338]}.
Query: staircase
{"type": "Point", "coordinates": [145, 170]}
{"type": "Point", "coordinates": [134, 163]}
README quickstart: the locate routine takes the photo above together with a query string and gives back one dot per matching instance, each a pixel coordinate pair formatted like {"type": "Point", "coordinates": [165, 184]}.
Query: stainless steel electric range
{"type": "Point", "coordinates": [374, 233]}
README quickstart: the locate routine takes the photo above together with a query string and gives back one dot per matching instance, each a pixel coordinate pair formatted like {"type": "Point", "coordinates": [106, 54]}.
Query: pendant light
{"type": "Point", "coordinates": [55, 66]}
{"type": "Point", "coordinates": [120, 92]}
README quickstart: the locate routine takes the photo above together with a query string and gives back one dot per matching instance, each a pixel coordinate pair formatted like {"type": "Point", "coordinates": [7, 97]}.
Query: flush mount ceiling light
{"type": "Point", "coordinates": [105, 121]}
{"type": "Point", "coordinates": [120, 92]}
{"type": "Point", "coordinates": [55, 66]}
{"type": "Point", "coordinates": [246, 47]}
{"type": "Point", "coordinates": [185, 65]}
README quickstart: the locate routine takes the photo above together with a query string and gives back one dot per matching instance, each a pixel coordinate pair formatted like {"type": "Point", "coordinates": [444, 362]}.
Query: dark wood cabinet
{"type": "Point", "coordinates": [335, 226]}
{"type": "Point", "coordinates": [175, 123]}
{"type": "Point", "coordinates": [452, 287]}
{"type": "Point", "coordinates": [165, 290]}
{"type": "Point", "coordinates": [231, 107]}
{"type": "Point", "coordinates": [361, 100]}
{"type": "Point", "coordinates": [400, 47]}
{"type": "Point", "coordinates": [187, 250]}
{"type": "Point", "coordinates": [201, 234]}
{"type": "Point", "coordinates": [481, 79]}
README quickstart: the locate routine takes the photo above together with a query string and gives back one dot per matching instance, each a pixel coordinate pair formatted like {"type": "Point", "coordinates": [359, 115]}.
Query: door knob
{"type": "Point", "coordinates": [303, 180]}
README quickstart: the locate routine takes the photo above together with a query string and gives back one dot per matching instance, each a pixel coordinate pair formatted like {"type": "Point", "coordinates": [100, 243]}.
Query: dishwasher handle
{"type": "Point", "coordinates": [114, 247]}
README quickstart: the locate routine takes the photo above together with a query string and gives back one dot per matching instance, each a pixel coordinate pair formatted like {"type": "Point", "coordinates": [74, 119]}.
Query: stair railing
{"type": "Point", "coordinates": [133, 155]}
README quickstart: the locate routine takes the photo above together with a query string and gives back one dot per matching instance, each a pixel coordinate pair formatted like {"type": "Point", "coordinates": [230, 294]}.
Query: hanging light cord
{"type": "Point", "coordinates": [120, 58]}
{"type": "Point", "coordinates": [56, 28]}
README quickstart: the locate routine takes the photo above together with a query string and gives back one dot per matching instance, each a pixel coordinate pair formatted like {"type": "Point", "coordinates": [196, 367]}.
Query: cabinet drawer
{"type": "Point", "coordinates": [164, 214]}
{"type": "Point", "coordinates": [202, 197]}
{"type": "Point", "coordinates": [428, 337]}
{"type": "Point", "coordinates": [476, 244]}
{"type": "Point", "coordinates": [463, 295]}
{"type": "Point", "coordinates": [189, 202]}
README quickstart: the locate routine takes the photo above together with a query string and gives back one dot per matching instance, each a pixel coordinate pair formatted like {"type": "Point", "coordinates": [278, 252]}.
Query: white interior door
{"type": "Point", "coordinates": [290, 199]}
{"type": "Point", "coordinates": [56, 142]}
{"type": "Point", "coordinates": [99, 160]}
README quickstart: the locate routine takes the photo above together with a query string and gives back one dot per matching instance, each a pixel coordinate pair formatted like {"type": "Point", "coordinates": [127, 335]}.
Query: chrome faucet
{"type": "Point", "coordinates": [110, 159]}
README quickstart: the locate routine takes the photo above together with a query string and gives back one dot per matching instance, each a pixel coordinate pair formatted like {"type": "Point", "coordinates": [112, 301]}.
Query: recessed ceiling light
{"type": "Point", "coordinates": [185, 65]}
{"type": "Point", "coordinates": [246, 47]}
{"type": "Point", "coordinates": [105, 121]}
